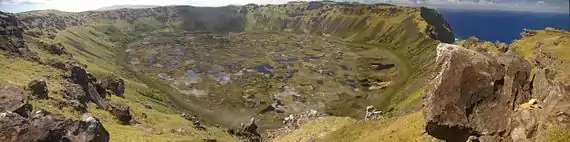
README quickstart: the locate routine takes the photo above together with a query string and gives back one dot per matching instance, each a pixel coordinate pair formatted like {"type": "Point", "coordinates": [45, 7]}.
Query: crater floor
{"type": "Point", "coordinates": [269, 75]}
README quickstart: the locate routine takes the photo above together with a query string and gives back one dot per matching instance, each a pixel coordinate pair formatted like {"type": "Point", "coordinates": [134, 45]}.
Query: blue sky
{"type": "Point", "coordinates": [83, 5]}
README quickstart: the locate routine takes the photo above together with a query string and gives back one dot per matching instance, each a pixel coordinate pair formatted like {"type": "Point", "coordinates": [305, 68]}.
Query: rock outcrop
{"type": "Point", "coordinates": [247, 131]}
{"type": "Point", "coordinates": [116, 85]}
{"type": "Point", "coordinates": [11, 38]}
{"type": "Point", "coordinates": [488, 97]}
{"type": "Point", "coordinates": [372, 113]}
{"type": "Point", "coordinates": [121, 112]}
{"type": "Point", "coordinates": [82, 87]}
{"type": "Point", "coordinates": [474, 94]}
{"type": "Point", "coordinates": [44, 126]}
{"type": "Point", "coordinates": [56, 49]}
{"type": "Point", "coordinates": [39, 88]}
{"type": "Point", "coordinates": [13, 100]}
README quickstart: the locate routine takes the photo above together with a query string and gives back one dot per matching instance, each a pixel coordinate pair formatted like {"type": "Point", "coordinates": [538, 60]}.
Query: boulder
{"type": "Point", "coordinates": [39, 88]}
{"type": "Point", "coordinates": [95, 97]}
{"type": "Point", "coordinates": [79, 75]}
{"type": "Point", "coordinates": [474, 94]}
{"type": "Point", "coordinates": [56, 63]}
{"type": "Point", "coordinates": [247, 131]}
{"type": "Point", "coordinates": [13, 99]}
{"type": "Point", "coordinates": [372, 113]}
{"type": "Point", "coordinates": [88, 129]}
{"type": "Point", "coordinates": [75, 96]}
{"type": "Point", "coordinates": [116, 85]}
{"type": "Point", "coordinates": [56, 49]}
{"type": "Point", "coordinates": [44, 126]}
{"type": "Point", "coordinates": [100, 89]}
{"type": "Point", "coordinates": [121, 111]}
{"type": "Point", "coordinates": [13, 126]}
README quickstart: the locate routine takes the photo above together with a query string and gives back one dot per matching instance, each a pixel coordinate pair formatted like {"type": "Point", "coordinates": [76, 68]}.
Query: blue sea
{"type": "Point", "coordinates": [503, 26]}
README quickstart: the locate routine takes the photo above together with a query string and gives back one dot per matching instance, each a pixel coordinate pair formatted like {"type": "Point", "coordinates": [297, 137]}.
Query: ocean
{"type": "Point", "coordinates": [503, 26]}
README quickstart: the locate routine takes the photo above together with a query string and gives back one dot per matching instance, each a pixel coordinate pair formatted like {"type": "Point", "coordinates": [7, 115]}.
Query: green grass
{"type": "Point", "coordinates": [408, 128]}
{"type": "Point", "coordinates": [555, 43]}
{"type": "Point", "coordinates": [92, 45]}
{"type": "Point", "coordinates": [317, 129]}
{"type": "Point", "coordinates": [99, 43]}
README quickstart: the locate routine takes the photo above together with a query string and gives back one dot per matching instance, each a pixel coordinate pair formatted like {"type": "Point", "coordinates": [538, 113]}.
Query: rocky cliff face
{"type": "Point", "coordinates": [488, 97]}
{"type": "Point", "coordinates": [11, 39]}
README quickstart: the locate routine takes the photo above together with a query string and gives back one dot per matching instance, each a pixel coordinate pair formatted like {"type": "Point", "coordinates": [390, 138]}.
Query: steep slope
{"type": "Point", "coordinates": [97, 38]}
{"type": "Point", "coordinates": [115, 7]}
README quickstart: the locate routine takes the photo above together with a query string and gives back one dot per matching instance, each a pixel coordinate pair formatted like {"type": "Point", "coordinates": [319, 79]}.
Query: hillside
{"type": "Point", "coordinates": [115, 7]}
{"type": "Point", "coordinates": [200, 73]}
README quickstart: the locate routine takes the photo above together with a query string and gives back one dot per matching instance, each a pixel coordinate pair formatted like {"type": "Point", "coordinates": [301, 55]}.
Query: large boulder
{"type": "Point", "coordinates": [75, 96]}
{"type": "Point", "coordinates": [44, 126]}
{"type": "Point", "coordinates": [95, 97]}
{"type": "Point", "coordinates": [247, 131]}
{"type": "Point", "coordinates": [79, 75]}
{"type": "Point", "coordinates": [13, 99]}
{"type": "Point", "coordinates": [474, 94]}
{"type": "Point", "coordinates": [13, 126]}
{"type": "Point", "coordinates": [89, 129]}
{"type": "Point", "coordinates": [121, 111]}
{"type": "Point", "coordinates": [116, 85]}
{"type": "Point", "coordinates": [39, 88]}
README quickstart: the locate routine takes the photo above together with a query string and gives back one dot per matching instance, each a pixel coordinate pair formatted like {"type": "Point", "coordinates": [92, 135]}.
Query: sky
{"type": "Point", "coordinates": [84, 5]}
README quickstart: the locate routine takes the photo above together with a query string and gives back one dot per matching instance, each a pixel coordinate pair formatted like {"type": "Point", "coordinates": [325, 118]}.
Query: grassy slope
{"type": "Point", "coordinates": [400, 28]}
{"type": "Point", "coordinates": [406, 128]}
{"type": "Point", "coordinates": [404, 32]}
{"type": "Point", "coordinates": [92, 45]}
{"type": "Point", "coordinates": [556, 43]}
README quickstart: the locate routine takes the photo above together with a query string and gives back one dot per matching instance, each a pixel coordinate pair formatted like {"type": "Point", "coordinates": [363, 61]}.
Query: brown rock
{"type": "Point", "coordinates": [56, 63]}
{"type": "Point", "coordinates": [11, 38]}
{"type": "Point", "coordinates": [95, 97]}
{"type": "Point", "coordinates": [39, 88]}
{"type": "Point", "coordinates": [56, 49]}
{"type": "Point", "coordinates": [121, 111]}
{"type": "Point", "coordinates": [75, 96]}
{"type": "Point", "coordinates": [474, 94]}
{"type": "Point", "coordinates": [79, 75]}
{"type": "Point", "coordinates": [247, 131]}
{"type": "Point", "coordinates": [12, 99]}
{"type": "Point", "coordinates": [116, 85]}
{"type": "Point", "coordinates": [44, 126]}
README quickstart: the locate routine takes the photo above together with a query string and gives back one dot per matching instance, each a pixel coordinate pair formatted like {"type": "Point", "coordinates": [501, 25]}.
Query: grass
{"type": "Point", "coordinates": [316, 129]}
{"type": "Point", "coordinates": [408, 128]}
{"type": "Point", "coordinates": [98, 44]}
{"type": "Point", "coordinates": [556, 134]}
{"type": "Point", "coordinates": [92, 46]}
{"type": "Point", "coordinates": [553, 42]}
